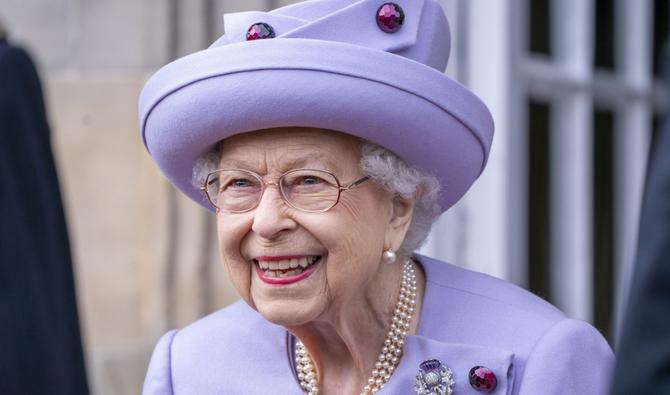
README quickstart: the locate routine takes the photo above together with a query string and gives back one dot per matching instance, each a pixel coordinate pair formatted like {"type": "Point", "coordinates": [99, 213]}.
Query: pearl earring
{"type": "Point", "coordinates": [389, 257]}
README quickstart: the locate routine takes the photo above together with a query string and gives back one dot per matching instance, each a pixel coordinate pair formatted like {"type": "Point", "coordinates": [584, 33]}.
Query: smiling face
{"type": "Point", "coordinates": [292, 266]}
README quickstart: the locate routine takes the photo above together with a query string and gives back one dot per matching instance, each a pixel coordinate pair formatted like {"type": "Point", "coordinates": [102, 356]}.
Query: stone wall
{"type": "Point", "coordinates": [145, 257]}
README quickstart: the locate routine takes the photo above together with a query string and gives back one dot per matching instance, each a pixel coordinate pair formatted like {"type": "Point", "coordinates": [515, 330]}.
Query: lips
{"type": "Point", "coordinates": [285, 269]}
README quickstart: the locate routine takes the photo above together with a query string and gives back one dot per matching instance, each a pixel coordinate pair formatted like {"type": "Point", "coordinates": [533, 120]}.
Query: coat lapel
{"type": "Point", "coordinates": [460, 358]}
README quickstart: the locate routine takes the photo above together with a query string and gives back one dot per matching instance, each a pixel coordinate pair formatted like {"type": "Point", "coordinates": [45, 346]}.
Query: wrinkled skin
{"type": "Point", "coordinates": [342, 310]}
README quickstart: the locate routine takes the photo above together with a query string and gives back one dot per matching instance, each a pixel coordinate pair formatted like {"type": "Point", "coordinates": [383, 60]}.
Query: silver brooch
{"type": "Point", "coordinates": [434, 378]}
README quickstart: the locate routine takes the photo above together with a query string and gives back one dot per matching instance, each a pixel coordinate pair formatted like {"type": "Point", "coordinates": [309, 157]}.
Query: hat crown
{"type": "Point", "coordinates": [423, 37]}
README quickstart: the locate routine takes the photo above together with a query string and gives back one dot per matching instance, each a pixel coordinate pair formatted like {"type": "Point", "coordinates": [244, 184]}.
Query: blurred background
{"type": "Point", "coordinates": [572, 84]}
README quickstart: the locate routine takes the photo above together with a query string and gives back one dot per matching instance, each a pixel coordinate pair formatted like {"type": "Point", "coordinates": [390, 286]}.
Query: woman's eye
{"type": "Point", "coordinates": [309, 180]}
{"type": "Point", "coordinates": [240, 183]}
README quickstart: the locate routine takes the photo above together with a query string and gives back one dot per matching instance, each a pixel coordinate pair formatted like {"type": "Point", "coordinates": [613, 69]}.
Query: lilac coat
{"type": "Point", "coordinates": [468, 319]}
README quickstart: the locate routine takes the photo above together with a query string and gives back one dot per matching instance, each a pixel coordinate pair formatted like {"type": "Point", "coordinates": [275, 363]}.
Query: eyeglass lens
{"type": "Point", "coordinates": [241, 190]}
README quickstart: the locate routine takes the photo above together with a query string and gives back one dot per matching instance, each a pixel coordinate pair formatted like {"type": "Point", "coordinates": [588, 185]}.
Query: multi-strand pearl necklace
{"type": "Point", "coordinates": [393, 344]}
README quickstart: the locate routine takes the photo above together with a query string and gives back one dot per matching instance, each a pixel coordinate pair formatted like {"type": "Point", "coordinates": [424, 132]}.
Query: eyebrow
{"type": "Point", "coordinates": [237, 164]}
{"type": "Point", "coordinates": [300, 162]}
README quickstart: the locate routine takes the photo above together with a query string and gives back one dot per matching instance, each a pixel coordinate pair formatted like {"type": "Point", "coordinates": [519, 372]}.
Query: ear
{"type": "Point", "coordinates": [402, 210]}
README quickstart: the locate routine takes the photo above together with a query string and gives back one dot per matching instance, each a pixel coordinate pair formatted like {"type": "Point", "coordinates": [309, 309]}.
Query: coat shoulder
{"type": "Point", "coordinates": [481, 288]}
{"type": "Point", "coordinates": [234, 331]}
{"type": "Point", "coordinates": [464, 306]}
{"type": "Point", "coordinates": [469, 308]}
{"type": "Point", "coordinates": [231, 322]}
{"type": "Point", "coordinates": [218, 351]}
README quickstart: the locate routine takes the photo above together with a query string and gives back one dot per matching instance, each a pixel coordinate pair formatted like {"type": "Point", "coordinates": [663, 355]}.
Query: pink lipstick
{"type": "Point", "coordinates": [287, 269]}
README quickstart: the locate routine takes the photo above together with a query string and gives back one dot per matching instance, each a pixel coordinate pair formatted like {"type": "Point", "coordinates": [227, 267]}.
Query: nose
{"type": "Point", "coordinates": [271, 217]}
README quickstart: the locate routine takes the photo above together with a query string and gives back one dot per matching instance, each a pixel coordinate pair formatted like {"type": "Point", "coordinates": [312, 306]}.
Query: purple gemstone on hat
{"type": "Point", "coordinates": [431, 365]}
{"type": "Point", "coordinates": [260, 31]}
{"type": "Point", "coordinates": [390, 17]}
{"type": "Point", "coordinates": [482, 379]}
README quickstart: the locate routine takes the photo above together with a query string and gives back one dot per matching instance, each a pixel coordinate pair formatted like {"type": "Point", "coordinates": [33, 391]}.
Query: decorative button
{"type": "Point", "coordinates": [260, 31]}
{"type": "Point", "coordinates": [482, 379]}
{"type": "Point", "coordinates": [434, 378]}
{"type": "Point", "coordinates": [390, 17]}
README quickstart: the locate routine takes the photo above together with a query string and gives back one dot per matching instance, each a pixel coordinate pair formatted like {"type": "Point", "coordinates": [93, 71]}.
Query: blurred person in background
{"type": "Point", "coordinates": [643, 365]}
{"type": "Point", "coordinates": [40, 344]}
{"type": "Point", "coordinates": [326, 139]}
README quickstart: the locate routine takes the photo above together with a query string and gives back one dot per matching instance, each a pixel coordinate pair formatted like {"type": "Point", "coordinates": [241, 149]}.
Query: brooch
{"type": "Point", "coordinates": [434, 378]}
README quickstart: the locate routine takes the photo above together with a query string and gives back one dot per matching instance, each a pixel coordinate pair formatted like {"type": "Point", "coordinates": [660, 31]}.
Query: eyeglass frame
{"type": "Point", "coordinates": [277, 183]}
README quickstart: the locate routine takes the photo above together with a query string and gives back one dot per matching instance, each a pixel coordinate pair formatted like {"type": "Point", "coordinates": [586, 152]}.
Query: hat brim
{"type": "Point", "coordinates": [420, 114]}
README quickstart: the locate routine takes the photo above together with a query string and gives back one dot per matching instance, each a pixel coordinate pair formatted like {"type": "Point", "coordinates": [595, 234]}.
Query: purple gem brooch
{"type": "Point", "coordinates": [434, 378]}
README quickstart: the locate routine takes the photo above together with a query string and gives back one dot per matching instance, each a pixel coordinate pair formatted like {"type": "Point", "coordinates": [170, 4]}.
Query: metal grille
{"type": "Point", "coordinates": [572, 88]}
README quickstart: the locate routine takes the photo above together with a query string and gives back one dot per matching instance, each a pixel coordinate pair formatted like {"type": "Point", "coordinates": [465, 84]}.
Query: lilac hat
{"type": "Point", "coordinates": [363, 67]}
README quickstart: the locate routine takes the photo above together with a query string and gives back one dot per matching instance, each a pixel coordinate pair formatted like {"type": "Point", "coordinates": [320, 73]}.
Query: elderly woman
{"type": "Point", "coordinates": [326, 139]}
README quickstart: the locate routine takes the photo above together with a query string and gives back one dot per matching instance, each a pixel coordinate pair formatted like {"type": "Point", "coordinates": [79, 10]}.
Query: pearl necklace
{"type": "Point", "coordinates": [389, 357]}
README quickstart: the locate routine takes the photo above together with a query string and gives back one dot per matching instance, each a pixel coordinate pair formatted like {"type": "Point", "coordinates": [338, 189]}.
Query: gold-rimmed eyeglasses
{"type": "Point", "coordinates": [309, 190]}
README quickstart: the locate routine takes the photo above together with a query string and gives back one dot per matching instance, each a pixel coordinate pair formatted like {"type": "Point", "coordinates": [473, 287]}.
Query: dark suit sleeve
{"type": "Point", "coordinates": [644, 351]}
{"type": "Point", "coordinates": [40, 343]}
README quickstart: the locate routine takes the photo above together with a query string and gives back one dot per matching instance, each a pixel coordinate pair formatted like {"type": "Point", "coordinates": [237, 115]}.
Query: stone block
{"type": "Point", "coordinates": [124, 34]}
{"type": "Point", "coordinates": [99, 157]}
{"type": "Point", "coordinates": [143, 265]}
{"type": "Point", "coordinates": [119, 370]}
{"type": "Point", "coordinates": [42, 27]}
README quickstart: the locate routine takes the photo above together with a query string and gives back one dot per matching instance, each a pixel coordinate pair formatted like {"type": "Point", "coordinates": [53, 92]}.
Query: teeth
{"type": "Point", "coordinates": [282, 268]}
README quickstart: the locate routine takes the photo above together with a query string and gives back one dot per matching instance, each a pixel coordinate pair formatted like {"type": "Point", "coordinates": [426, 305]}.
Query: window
{"type": "Point", "coordinates": [587, 86]}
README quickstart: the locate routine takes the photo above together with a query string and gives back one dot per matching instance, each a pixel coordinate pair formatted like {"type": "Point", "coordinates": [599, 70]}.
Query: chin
{"type": "Point", "coordinates": [290, 313]}
{"type": "Point", "coordinates": [300, 301]}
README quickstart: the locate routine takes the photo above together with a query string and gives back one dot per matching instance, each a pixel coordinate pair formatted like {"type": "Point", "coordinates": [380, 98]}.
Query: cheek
{"type": "Point", "coordinates": [355, 240]}
{"type": "Point", "coordinates": [231, 232]}
{"type": "Point", "coordinates": [364, 222]}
